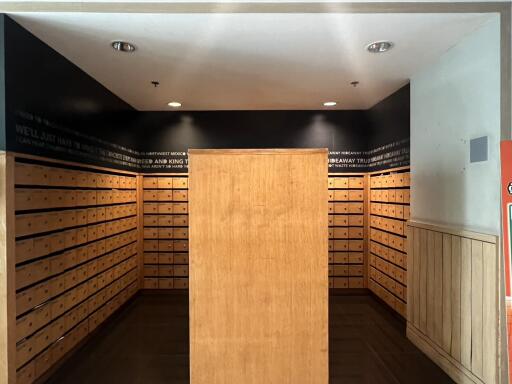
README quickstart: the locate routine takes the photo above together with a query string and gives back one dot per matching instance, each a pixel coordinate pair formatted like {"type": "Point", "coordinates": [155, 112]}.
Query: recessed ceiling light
{"type": "Point", "coordinates": [174, 104]}
{"type": "Point", "coordinates": [330, 104]}
{"type": "Point", "coordinates": [379, 46]}
{"type": "Point", "coordinates": [123, 46]}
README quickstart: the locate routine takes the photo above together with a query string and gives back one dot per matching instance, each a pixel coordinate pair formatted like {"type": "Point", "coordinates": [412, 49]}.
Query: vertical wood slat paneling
{"type": "Point", "coordinates": [476, 306]}
{"type": "Point", "coordinates": [430, 258]}
{"type": "Point", "coordinates": [411, 266]}
{"type": "Point", "coordinates": [465, 303]}
{"type": "Point", "coordinates": [423, 281]}
{"type": "Point", "coordinates": [438, 287]}
{"type": "Point", "coordinates": [489, 305]}
{"type": "Point", "coordinates": [456, 270]}
{"type": "Point", "coordinates": [447, 292]}
{"type": "Point", "coordinates": [416, 278]}
{"type": "Point", "coordinates": [453, 307]}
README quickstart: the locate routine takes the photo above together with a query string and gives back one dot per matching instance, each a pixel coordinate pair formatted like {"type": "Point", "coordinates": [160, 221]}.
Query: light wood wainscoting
{"type": "Point", "coordinates": [453, 307]}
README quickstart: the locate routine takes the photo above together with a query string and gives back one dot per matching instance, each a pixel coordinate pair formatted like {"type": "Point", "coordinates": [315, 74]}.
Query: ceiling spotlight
{"type": "Point", "coordinates": [379, 46]}
{"type": "Point", "coordinates": [174, 104]}
{"type": "Point", "coordinates": [330, 104]}
{"type": "Point", "coordinates": [123, 46]}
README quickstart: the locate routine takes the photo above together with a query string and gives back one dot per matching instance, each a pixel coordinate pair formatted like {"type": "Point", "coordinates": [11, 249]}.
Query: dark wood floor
{"type": "Point", "coordinates": [147, 343]}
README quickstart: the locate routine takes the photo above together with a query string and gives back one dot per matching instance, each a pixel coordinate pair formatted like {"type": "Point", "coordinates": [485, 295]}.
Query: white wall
{"type": "Point", "coordinates": [452, 101]}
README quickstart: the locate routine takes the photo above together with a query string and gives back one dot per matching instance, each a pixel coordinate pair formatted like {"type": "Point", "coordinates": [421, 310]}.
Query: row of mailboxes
{"type": "Point", "coordinates": [165, 221]}
{"type": "Point", "coordinates": [165, 283]}
{"type": "Point", "coordinates": [165, 270]}
{"type": "Point", "coordinates": [346, 282]}
{"type": "Point", "coordinates": [346, 195]}
{"type": "Point", "coordinates": [398, 211]}
{"type": "Point", "coordinates": [32, 223]}
{"type": "Point", "coordinates": [346, 257]}
{"type": "Point", "coordinates": [346, 232]}
{"type": "Point", "coordinates": [165, 182]}
{"type": "Point", "coordinates": [165, 245]}
{"type": "Point", "coordinates": [31, 273]}
{"type": "Point", "coordinates": [30, 346]}
{"type": "Point", "coordinates": [346, 220]}
{"type": "Point", "coordinates": [346, 208]}
{"type": "Point", "coordinates": [109, 236]}
{"type": "Point", "coordinates": [394, 241]}
{"type": "Point", "coordinates": [346, 182]}
{"type": "Point", "coordinates": [165, 258]}
{"type": "Point", "coordinates": [392, 255]}
{"type": "Point", "coordinates": [166, 233]}
{"type": "Point", "coordinates": [393, 180]}
{"type": "Point", "coordinates": [395, 287]}
{"type": "Point", "coordinates": [389, 269]}
{"type": "Point", "coordinates": [92, 272]}
{"type": "Point", "coordinates": [346, 245]}
{"type": "Point", "coordinates": [71, 328]}
{"type": "Point", "coordinates": [386, 224]}
{"type": "Point", "coordinates": [388, 297]}
{"type": "Point", "coordinates": [391, 195]}
{"type": "Point", "coordinates": [389, 207]}
{"type": "Point", "coordinates": [345, 270]}
{"type": "Point", "coordinates": [31, 174]}
{"type": "Point", "coordinates": [165, 195]}
{"type": "Point", "coordinates": [32, 199]}
{"type": "Point", "coordinates": [165, 208]}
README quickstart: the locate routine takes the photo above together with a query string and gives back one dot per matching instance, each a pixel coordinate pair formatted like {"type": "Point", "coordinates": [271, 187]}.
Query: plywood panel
{"type": "Point", "coordinates": [258, 267]}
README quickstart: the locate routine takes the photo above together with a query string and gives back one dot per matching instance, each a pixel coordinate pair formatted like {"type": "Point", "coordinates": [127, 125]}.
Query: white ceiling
{"type": "Point", "coordinates": [251, 61]}
{"type": "Point", "coordinates": [82, 2]}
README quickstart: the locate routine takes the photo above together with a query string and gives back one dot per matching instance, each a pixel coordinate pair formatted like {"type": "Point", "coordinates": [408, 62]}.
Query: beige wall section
{"type": "Point", "coordinates": [258, 267]}
{"type": "Point", "coordinates": [451, 103]}
{"type": "Point", "coordinates": [7, 289]}
{"type": "Point", "coordinates": [453, 307]}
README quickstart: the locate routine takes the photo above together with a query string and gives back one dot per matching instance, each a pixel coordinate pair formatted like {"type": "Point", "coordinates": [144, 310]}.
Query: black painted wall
{"type": "Point", "coordinates": [389, 131]}
{"type": "Point", "coordinates": [55, 109]}
{"type": "Point", "coordinates": [162, 132]}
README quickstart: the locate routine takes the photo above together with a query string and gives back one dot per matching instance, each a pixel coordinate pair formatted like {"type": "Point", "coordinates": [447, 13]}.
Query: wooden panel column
{"type": "Point", "coordinates": [258, 266]}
